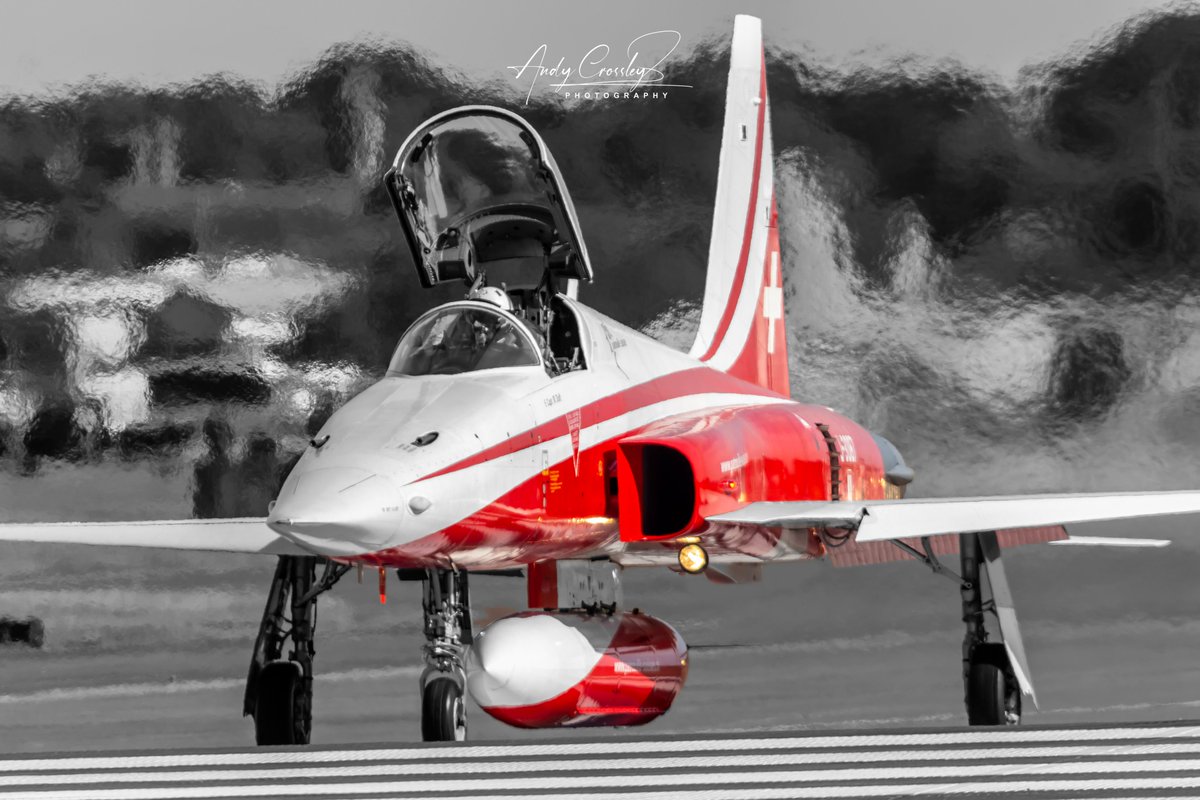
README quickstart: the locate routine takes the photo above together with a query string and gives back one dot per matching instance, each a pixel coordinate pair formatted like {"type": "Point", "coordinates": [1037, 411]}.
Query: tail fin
{"type": "Point", "coordinates": [742, 329]}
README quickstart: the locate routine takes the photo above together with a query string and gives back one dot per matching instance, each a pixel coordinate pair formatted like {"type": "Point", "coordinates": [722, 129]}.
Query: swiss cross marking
{"type": "Point", "coordinates": [772, 301]}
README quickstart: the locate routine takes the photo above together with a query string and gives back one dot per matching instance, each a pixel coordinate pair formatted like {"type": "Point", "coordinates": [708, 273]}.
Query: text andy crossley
{"type": "Point", "coordinates": [591, 71]}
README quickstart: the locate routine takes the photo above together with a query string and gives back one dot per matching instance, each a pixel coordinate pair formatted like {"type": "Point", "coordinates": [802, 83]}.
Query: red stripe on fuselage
{"type": "Point", "coordinates": [698, 380]}
{"type": "Point", "coordinates": [739, 279]}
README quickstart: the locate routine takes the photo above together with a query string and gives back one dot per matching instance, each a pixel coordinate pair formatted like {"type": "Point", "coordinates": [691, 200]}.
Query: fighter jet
{"type": "Point", "coordinates": [518, 431]}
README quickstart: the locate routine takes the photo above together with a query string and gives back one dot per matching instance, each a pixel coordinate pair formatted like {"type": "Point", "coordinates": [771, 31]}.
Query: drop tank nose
{"type": "Point", "coordinates": [338, 511]}
{"type": "Point", "coordinates": [524, 655]}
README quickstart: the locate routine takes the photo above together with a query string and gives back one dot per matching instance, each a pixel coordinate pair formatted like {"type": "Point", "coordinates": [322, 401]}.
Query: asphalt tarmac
{"type": "Point", "coordinates": [149, 650]}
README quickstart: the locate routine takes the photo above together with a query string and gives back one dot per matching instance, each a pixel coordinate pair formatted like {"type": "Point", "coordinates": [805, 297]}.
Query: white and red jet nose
{"type": "Point", "coordinates": [338, 511]}
{"type": "Point", "coordinates": [543, 669]}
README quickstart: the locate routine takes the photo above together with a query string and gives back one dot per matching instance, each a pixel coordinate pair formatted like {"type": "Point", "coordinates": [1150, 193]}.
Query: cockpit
{"type": "Point", "coordinates": [481, 201]}
{"type": "Point", "coordinates": [465, 337]}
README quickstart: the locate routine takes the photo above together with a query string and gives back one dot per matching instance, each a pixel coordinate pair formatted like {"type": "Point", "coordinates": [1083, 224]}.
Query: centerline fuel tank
{"type": "Point", "coordinates": [547, 669]}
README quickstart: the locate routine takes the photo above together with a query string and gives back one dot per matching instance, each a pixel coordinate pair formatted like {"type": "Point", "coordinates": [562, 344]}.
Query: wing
{"type": "Point", "coordinates": [248, 535]}
{"type": "Point", "coordinates": [888, 520]}
{"type": "Point", "coordinates": [852, 533]}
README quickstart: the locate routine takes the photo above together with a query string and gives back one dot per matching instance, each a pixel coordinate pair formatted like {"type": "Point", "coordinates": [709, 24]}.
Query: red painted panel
{"type": "Point", "coordinates": [764, 359]}
{"type": "Point", "coordinates": [860, 463]}
{"type": "Point", "coordinates": [737, 456]}
{"type": "Point", "coordinates": [542, 584]}
{"type": "Point", "coordinates": [854, 554]}
{"type": "Point", "coordinates": [789, 462]}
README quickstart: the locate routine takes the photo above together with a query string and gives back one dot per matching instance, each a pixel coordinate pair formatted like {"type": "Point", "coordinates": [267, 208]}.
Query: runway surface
{"type": "Point", "coordinates": [1160, 760]}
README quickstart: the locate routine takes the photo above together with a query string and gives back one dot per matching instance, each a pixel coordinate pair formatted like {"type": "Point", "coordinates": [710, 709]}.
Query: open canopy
{"type": "Point", "coordinates": [476, 186]}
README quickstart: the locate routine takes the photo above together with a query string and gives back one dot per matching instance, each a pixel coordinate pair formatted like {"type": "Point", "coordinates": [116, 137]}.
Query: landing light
{"type": "Point", "coordinates": [693, 558]}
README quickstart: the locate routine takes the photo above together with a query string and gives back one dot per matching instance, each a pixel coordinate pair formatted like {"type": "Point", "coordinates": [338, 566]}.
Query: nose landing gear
{"type": "Point", "coordinates": [447, 606]}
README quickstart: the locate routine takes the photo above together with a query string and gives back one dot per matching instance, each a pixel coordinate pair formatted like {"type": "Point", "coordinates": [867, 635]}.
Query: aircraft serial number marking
{"type": "Point", "coordinates": [737, 462]}
{"type": "Point", "coordinates": [846, 445]}
{"type": "Point", "coordinates": [614, 343]}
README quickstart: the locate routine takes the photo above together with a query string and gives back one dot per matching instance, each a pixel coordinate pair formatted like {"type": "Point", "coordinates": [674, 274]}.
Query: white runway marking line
{"type": "Point", "coordinates": [595, 767]}
{"type": "Point", "coordinates": [629, 746]}
{"type": "Point", "coordinates": [706, 778]}
{"type": "Point", "coordinates": [1006, 761]}
{"type": "Point", "coordinates": [680, 784]}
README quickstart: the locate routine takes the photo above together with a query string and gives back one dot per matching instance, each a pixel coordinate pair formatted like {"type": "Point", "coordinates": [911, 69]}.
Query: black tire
{"type": "Point", "coordinates": [986, 690]}
{"type": "Point", "coordinates": [275, 706]}
{"type": "Point", "coordinates": [443, 711]}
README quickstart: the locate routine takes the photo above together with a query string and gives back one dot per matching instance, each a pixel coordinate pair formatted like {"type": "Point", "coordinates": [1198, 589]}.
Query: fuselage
{"type": "Point", "coordinates": [500, 467]}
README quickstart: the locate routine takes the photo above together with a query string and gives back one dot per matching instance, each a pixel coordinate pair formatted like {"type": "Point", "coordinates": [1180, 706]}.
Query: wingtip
{"type": "Point", "coordinates": [1111, 541]}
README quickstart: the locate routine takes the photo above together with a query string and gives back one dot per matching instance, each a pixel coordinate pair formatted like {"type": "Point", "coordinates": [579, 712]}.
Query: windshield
{"type": "Point", "coordinates": [461, 339]}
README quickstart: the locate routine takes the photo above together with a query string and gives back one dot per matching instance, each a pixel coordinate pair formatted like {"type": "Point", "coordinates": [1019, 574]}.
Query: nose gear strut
{"type": "Point", "coordinates": [447, 606]}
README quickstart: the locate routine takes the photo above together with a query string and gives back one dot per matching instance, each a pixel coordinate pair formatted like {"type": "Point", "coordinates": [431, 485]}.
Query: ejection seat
{"type": "Point", "coordinates": [566, 344]}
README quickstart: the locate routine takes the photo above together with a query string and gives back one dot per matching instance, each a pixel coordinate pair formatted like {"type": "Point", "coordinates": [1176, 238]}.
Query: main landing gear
{"type": "Point", "coordinates": [279, 691]}
{"type": "Point", "coordinates": [992, 691]}
{"type": "Point", "coordinates": [995, 672]}
{"type": "Point", "coordinates": [447, 606]}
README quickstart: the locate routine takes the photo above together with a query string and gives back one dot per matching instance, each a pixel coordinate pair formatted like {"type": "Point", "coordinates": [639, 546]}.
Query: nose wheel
{"type": "Point", "coordinates": [443, 711]}
{"type": "Point", "coordinates": [447, 607]}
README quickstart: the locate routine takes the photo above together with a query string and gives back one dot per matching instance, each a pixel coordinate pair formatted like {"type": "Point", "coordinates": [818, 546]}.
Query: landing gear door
{"type": "Point", "coordinates": [476, 188]}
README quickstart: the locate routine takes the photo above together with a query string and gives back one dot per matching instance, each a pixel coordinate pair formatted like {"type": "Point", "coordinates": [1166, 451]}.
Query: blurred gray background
{"type": "Point", "coordinates": [989, 225]}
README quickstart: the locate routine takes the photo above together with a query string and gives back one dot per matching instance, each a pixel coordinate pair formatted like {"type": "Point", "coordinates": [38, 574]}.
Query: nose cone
{"type": "Point", "coordinates": [338, 511]}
